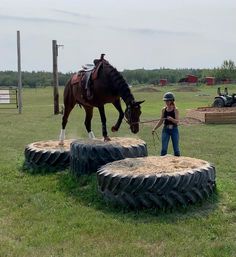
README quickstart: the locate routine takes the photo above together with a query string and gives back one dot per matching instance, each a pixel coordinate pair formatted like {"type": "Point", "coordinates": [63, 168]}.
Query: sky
{"type": "Point", "coordinates": [133, 34]}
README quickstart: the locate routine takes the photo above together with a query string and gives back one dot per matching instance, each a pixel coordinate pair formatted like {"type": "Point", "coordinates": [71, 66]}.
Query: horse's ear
{"type": "Point", "coordinates": [139, 102]}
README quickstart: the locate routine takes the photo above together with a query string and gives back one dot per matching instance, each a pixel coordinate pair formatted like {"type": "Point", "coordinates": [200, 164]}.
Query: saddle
{"type": "Point", "coordinates": [86, 76]}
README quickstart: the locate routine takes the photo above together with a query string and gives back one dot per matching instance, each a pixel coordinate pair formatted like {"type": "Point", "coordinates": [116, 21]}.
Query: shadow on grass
{"type": "Point", "coordinates": [84, 190]}
{"type": "Point", "coordinates": [32, 169]}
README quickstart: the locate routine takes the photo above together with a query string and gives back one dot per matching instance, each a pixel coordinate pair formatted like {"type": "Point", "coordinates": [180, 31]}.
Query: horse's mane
{"type": "Point", "coordinates": [119, 83]}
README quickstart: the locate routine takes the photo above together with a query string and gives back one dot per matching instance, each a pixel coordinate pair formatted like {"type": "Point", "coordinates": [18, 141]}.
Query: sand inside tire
{"type": "Point", "coordinates": [52, 145]}
{"type": "Point", "coordinates": [152, 165]}
{"type": "Point", "coordinates": [116, 141]}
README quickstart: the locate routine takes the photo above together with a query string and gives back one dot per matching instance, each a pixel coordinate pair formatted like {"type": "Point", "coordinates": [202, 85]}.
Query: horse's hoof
{"type": "Point", "coordinates": [61, 143]}
{"type": "Point", "coordinates": [106, 139]}
{"type": "Point", "coordinates": [114, 129]}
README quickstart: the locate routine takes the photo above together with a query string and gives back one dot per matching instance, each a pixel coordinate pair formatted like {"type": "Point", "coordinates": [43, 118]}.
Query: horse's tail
{"type": "Point", "coordinates": [69, 102]}
{"type": "Point", "coordinates": [70, 92]}
{"type": "Point", "coordinates": [69, 97]}
{"type": "Point", "coordinates": [67, 92]}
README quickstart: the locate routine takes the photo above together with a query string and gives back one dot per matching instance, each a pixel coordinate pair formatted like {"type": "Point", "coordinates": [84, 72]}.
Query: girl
{"type": "Point", "coordinates": [170, 117]}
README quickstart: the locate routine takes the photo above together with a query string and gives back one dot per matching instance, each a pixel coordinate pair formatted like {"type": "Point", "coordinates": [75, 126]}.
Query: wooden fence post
{"type": "Point", "coordinates": [19, 98]}
{"type": "Point", "coordinates": [55, 77]}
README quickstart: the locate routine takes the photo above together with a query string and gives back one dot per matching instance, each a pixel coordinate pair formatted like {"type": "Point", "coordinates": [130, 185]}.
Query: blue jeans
{"type": "Point", "coordinates": [174, 135]}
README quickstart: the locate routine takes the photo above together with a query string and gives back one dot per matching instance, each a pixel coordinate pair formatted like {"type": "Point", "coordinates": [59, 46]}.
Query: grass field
{"type": "Point", "coordinates": [53, 215]}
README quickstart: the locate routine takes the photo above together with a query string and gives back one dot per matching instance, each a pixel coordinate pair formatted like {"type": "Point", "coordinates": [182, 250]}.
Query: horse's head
{"type": "Point", "coordinates": [132, 114]}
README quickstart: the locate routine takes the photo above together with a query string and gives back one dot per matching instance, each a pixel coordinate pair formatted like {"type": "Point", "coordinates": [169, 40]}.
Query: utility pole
{"type": "Point", "coordinates": [19, 74]}
{"type": "Point", "coordinates": [55, 76]}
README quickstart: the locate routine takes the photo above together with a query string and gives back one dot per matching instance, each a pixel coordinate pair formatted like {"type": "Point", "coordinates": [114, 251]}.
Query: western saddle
{"type": "Point", "coordinates": [87, 75]}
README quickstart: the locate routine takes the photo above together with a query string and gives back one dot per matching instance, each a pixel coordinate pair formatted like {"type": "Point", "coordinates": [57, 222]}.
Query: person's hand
{"type": "Point", "coordinates": [169, 118]}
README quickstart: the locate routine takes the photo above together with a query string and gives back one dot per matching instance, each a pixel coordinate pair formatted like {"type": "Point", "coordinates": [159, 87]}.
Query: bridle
{"type": "Point", "coordinates": [128, 116]}
{"type": "Point", "coordinates": [129, 121]}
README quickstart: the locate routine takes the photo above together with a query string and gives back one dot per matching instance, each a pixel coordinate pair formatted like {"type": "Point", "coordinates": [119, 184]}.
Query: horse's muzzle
{"type": "Point", "coordinates": [134, 128]}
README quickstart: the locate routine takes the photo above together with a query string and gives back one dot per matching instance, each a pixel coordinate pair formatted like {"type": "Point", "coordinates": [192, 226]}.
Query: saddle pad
{"type": "Point", "coordinates": [75, 79]}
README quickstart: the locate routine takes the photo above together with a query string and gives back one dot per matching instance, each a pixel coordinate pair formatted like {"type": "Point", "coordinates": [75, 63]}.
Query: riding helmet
{"type": "Point", "coordinates": [168, 96]}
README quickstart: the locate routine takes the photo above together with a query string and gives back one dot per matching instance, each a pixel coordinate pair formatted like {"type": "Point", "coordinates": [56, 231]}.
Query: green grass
{"type": "Point", "coordinates": [54, 215]}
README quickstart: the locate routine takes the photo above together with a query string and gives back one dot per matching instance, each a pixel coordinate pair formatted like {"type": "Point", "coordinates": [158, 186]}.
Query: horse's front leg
{"type": "Point", "coordinates": [103, 119]}
{"type": "Point", "coordinates": [117, 105]}
{"type": "Point", "coordinates": [87, 122]}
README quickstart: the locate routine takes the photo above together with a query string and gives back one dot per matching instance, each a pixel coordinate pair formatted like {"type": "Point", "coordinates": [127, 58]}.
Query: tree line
{"type": "Point", "coordinates": [133, 77]}
{"type": "Point", "coordinates": [227, 71]}
{"type": "Point", "coordinates": [31, 79]}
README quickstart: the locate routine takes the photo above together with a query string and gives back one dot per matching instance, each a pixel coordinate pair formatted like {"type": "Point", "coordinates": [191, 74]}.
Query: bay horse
{"type": "Point", "coordinates": [106, 85]}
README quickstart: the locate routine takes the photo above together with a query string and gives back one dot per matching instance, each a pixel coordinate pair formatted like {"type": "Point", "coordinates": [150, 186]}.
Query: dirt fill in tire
{"type": "Point", "coordinates": [160, 182]}
{"type": "Point", "coordinates": [47, 156]}
{"type": "Point", "coordinates": [88, 155]}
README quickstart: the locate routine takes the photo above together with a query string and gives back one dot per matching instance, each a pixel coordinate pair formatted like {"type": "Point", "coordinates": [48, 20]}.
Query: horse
{"type": "Point", "coordinates": [94, 88]}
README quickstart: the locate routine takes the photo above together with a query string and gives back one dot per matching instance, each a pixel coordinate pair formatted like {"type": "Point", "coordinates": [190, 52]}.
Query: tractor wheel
{"type": "Point", "coordinates": [87, 156]}
{"type": "Point", "coordinates": [159, 182]}
{"type": "Point", "coordinates": [219, 103]}
{"type": "Point", "coordinates": [47, 156]}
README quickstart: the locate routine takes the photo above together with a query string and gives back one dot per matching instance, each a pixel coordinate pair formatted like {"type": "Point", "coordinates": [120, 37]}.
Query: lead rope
{"type": "Point", "coordinates": [154, 140]}
{"type": "Point", "coordinates": [141, 122]}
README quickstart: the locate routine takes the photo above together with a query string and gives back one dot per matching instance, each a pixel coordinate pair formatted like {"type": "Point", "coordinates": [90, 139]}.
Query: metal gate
{"type": "Point", "coordinates": [8, 98]}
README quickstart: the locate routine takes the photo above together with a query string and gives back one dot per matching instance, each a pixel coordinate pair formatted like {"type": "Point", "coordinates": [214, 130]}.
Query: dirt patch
{"type": "Point", "coordinates": [216, 110]}
{"type": "Point", "coordinates": [189, 121]}
{"type": "Point", "coordinates": [186, 89]}
{"type": "Point", "coordinates": [152, 165]}
{"type": "Point", "coordinates": [147, 89]}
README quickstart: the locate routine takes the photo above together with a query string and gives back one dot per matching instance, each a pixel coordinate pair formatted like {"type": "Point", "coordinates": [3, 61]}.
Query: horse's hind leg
{"type": "Point", "coordinates": [87, 122]}
{"type": "Point", "coordinates": [117, 105]}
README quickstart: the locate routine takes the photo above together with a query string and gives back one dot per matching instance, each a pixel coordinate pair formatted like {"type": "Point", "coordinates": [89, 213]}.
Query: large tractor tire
{"type": "Point", "coordinates": [159, 182]}
{"type": "Point", "coordinates": [47, 156]}
{"type": "Point", "coordinates": [89, 155]}
{"type": "Point", "coordinates": [218, 103]}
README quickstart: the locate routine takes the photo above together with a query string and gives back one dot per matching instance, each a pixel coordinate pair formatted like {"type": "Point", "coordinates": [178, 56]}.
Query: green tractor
{"type": "Point", "coordinates": [224, 99]}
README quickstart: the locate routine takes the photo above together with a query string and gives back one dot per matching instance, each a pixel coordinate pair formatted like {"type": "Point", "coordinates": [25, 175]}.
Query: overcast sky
{"type": "Point", "coordinates": [133, 34]}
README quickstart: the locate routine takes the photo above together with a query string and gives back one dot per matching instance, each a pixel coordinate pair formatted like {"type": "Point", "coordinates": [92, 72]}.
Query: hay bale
{"type": "Point", "coordinates": [154, 181]}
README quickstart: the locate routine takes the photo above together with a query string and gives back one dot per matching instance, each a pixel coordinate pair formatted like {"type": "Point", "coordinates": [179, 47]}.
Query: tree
{"type": "Point", "coordinates": [226, 71]}
{"type": "Point", "coordinates": [228, 65]}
